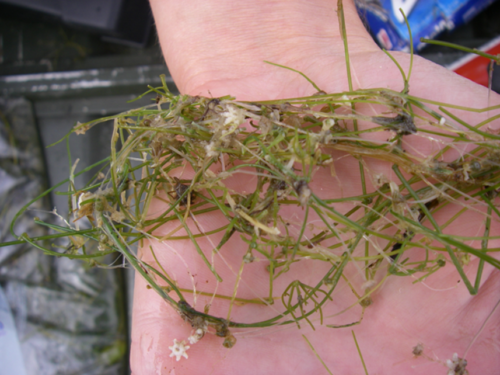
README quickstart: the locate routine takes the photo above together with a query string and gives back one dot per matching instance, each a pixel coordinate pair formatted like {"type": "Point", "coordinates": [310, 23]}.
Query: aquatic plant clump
{"type": "Point", "coordinates": [268, 173]}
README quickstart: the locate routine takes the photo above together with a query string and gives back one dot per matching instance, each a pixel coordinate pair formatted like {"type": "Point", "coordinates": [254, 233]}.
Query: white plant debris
{"type": "Point", "coordinates": [456, 365]}
{"type": "Point", "coordinates": [196, 336]}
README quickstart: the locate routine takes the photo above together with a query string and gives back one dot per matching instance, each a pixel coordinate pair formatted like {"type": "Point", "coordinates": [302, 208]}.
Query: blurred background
{"type": "Point", "coordinates": [63, 61]}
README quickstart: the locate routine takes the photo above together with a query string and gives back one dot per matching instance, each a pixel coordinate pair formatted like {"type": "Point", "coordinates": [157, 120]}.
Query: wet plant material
{"type": "Point", "coordinates": [324, 193]}
{"type": "Point", "coordinates": [187, 152]}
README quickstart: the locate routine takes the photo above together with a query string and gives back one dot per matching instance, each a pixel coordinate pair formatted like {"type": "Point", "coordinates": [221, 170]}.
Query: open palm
{"type": "Point", "coordinates": [218, 49]}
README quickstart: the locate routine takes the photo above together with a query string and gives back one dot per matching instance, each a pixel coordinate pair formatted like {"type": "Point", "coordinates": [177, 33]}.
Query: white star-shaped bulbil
{"type": "Point", "coordinates": [179, 350]}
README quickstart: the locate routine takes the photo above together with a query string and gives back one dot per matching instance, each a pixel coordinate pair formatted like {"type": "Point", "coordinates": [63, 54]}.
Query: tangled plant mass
{"type": "Point", "coordinates": [254, 188]}
{"type": "Point", "coordinates": [258, 182]}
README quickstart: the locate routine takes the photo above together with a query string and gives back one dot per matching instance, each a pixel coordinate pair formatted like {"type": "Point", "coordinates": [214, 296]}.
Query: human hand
{"type": "Point", "coordinates": [217, 49]}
